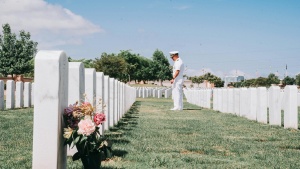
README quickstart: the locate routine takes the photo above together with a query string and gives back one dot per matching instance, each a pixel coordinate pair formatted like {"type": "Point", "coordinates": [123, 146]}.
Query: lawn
{"type": "Point", "coordinates": [152, 136]}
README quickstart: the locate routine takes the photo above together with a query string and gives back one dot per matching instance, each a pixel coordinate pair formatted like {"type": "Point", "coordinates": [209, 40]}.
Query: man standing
{"type": "Point", "coordinates": [177, 81]}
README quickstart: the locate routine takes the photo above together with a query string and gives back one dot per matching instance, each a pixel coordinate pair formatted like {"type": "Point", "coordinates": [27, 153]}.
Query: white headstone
{"type": "Point", "coordinates": [230, 101]}
{"type": "Point", "coordinates": [1, 95]}
{"type": "Point", "coordinates": [220, 100]}
{"type": "Point", "coordinates": [298, 98]}
{"type": "Point", "coordinates": [19, 94]}
{"type": "Point", "coordinates": [262, 115]}
{"type": "Point", "coordinates": [76, 90]}
{"type": "Point", "coordinates": [252, 103]}
{"type": "Point", "coordinates": [116, 103]}
{"type": "Point", "coordinates": [100, 96]}
{"type": "Point", "coordinates": [50, 100]}
{"type": "Point", "coordinates": [76, 85]}
{"type": "Point", "coordinates": [290, 108]}
{"type": "Point", "coordinates": [244, 102]}
{"type": "Point", "coordinates": [90, 85]}
{"type": "Point", "coordinates": [111, 101]}
{"type": "Point", "coordinates": [27, 94]}
{"type": "Point", "coordinates": [225, 100]}
{"type": "Point", "coordinates": [106, 102]}
{"type": "Point", "coordinates": [32, 94]}
{"type": "Point", "coordinates": [208, 98]}
{"type": "Point", "coordinates": [10, 94]}
{"type": "Point", "coordinates": [237, 101]}
{"type": "Point", "coordinates": [215, 100]}
{"type": "Point", "coordinates": [159, 94]}
{"type": "Point", "coordinates": [275, 107]}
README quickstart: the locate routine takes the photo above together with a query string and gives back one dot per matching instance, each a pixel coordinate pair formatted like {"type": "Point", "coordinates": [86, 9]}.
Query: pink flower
{"type": "Point", "coordinates": [99, 118]}
{"type": "Point", "coordinates": [86, 127]}
{"type": "Point", "coordinates": [86, 104]}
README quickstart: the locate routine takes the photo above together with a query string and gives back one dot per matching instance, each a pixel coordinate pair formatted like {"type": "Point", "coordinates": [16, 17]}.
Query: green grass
{"type": "Point", "coordinates": [155, 137]}
{"type": "Point", "coordinates": [16, 127]}
{"type": "Point", "coordinates": [152, 136]}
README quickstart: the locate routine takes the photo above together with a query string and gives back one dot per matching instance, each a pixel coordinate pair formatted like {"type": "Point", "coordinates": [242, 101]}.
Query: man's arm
{"type": "Point", "coordinates": [175, 75]}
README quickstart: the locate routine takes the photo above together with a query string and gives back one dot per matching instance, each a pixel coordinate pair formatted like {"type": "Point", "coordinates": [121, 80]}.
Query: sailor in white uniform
{"type": "Point", "coordinates": [177, 81]}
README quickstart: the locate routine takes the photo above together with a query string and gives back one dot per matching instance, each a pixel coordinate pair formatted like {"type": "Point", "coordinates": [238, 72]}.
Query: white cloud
{"type": "Point", "coordinates": [46, 21]}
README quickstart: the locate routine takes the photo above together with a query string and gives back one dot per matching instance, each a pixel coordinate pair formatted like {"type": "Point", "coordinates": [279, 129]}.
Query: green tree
{"type": "Point", "coordinates": [297, 79]}
{"type": "Point", "coordinates": [288, 81]}
{"type": "Point", "coordinates": [261, 82]}
{"type": "Point", "coordinates": [249, 83]}
{"type": "Point", "coordinates": [16, 54]}
{"type": "Point", "coordinates": [197, 79]}
{"type": "Point", "coordinates": [111, 65]}
{"type": "Point", "coordinates": [217, 81]}
{"type": "Point", "coordinates": [144, 73]}
{"type": "Point", "coordinates": [133, 64]}
{"type": "Point", "coordinates": [272, 79]}
{"type": "Point", "coordinates": [160, 67]}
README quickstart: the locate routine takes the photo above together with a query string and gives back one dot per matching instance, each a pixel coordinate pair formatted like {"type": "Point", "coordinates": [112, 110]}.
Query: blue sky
{"type": "Point", "coordinates": [225, 37]}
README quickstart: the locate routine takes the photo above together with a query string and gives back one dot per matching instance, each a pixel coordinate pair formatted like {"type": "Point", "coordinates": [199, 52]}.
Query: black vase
{"type": "Point", "coordinates": [91, 160]}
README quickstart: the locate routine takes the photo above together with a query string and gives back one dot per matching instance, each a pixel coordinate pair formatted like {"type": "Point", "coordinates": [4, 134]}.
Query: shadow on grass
{"type": "Point", "coordinates": [123, 128]}
{"type": "Point", "coordinates": [119, 153]}
{"type": "Point", "coordinates": [110, 168]}
{"type": "Point", "coordinates": [292, 147]}
{"type": "Point", "coordinates": [193, 109]}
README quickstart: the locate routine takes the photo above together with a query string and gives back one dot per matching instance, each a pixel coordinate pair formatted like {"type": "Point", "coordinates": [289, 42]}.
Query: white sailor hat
{"type": "Point", "coordinates": [173, 53]}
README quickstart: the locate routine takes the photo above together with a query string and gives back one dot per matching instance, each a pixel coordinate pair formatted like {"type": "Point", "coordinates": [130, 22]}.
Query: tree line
{"type": "Point", "coordinates": [17, 58]}
{"type": "Point", "coordinates": [272, 79]}
{"type": "Point", "coordinates": [217, 81]}
{"type": "Point", "coordinates": [127, 66]}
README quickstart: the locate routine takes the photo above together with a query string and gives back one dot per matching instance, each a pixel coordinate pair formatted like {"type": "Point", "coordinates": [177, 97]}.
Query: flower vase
{"type": "Point", "coordinates": [91, 160]}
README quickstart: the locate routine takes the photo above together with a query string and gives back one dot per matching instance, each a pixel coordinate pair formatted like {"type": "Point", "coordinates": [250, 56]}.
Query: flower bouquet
{"type": "Point", "coordinates": [82, 122]}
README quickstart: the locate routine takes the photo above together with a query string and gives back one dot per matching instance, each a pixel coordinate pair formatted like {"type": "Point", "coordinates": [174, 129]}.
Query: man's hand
{"type": "Point", "coordinates": [172, 81]}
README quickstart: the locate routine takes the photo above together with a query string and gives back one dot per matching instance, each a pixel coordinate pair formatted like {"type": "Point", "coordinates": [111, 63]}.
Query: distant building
{"type": "Point", "coordinates": [229, 79]}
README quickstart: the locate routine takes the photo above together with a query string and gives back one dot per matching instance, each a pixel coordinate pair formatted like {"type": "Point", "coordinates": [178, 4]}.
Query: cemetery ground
{"type": "Point", "coordinates": [152, 136]}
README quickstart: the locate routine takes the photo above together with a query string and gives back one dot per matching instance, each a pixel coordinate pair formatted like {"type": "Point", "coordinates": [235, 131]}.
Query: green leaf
{"type": "Point", "coordinates": [77, 139]}
{"type": "Point", "coordinates": [83, 139]}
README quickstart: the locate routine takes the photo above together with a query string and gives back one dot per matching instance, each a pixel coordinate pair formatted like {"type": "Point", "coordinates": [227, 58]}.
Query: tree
{"type": "Point", "coordinates": [16, 54]}
{"type": "Point", "coordinates": [249, 83]}
{"type": "Point", "coordinates": [261, 82]}
{"type": "Point", "coordinates": [219, 82]}
{"type": "Point", "coordinates": [297, 79]}
{"type": "Point", "coordinates": [144, 73]}
{"type": "Point", "coordinates": [272, 79]}
{"type": "Point", "coordinates": [111, 65]}
{"type": "Point", "coordinates": [213, 79]}
{"type": "Point", "coordinates": [197, 80]}
{"type": "Point", "coordinates": [288, 81]}
{"type": "Point", "coordinates": [133, 64]}
{"type": "Point", "coordinates": [160, 67]}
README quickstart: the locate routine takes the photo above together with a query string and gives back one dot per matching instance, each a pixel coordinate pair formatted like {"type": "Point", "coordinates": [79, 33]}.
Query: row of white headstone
{"type": "Point", "coordinates": [145, 92]}
{"type": "Point", "coordinates": [18, 95]}
{"type": "Point", "coordinates": [198, 97]}
{"type": "Point", "coordinates": [59, 83]}
{"type": "Point", "coordinates": [253, 103]}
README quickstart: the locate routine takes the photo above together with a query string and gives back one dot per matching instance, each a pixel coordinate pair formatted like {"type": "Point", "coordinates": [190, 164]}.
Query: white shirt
{"type": "Point", "coordinates": [178, 65]}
